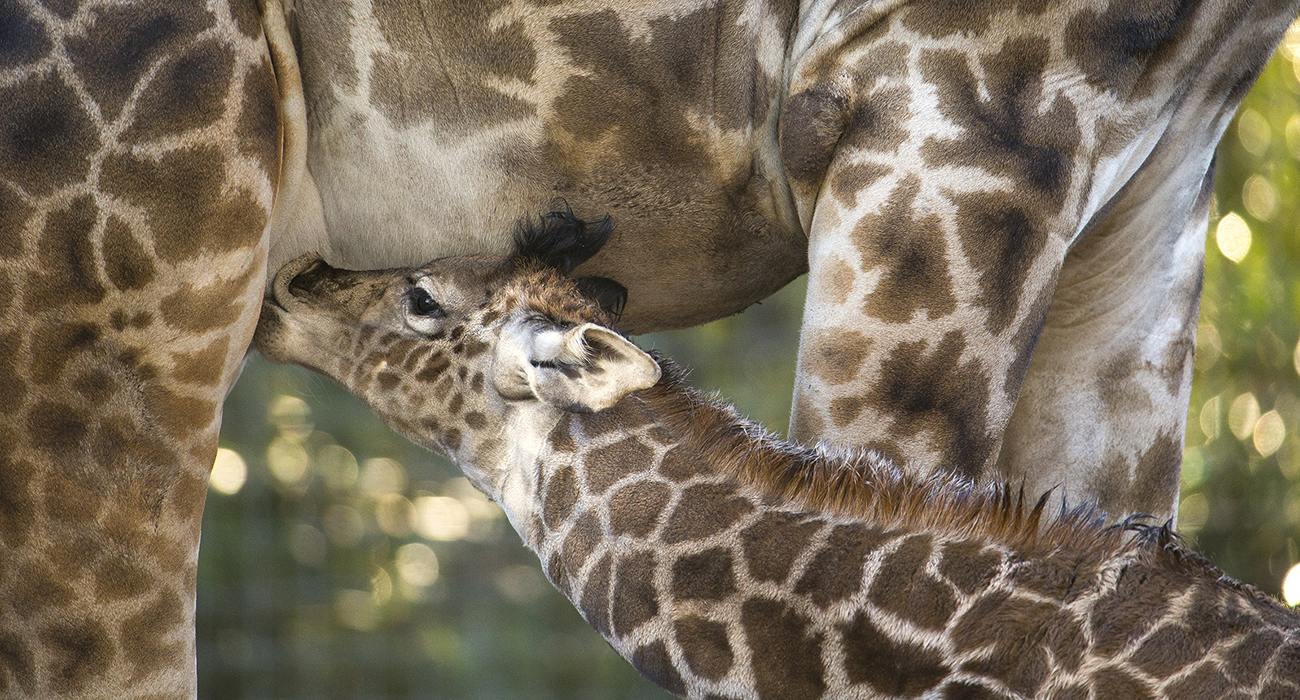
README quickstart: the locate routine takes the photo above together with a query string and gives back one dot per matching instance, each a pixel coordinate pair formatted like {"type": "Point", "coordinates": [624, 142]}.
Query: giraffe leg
{"type": "Point", "coordinates": [1103, 408]}
{"type": "Point", "coordinates": [945, 167]}
{"type": "Point", "coordinates": [139, 152]}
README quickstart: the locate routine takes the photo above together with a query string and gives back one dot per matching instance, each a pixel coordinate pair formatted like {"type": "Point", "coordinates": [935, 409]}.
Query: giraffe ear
{"type": "Point", "coordinates": [583, 369]}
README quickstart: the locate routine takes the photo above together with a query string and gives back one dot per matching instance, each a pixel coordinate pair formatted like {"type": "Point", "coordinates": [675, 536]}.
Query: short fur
{"type": "Point", "coordinates": [858, 484]}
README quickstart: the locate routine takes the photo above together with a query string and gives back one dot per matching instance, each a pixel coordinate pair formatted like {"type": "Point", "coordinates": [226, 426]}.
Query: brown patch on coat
{"type": "Point", "coordinates": [911, 255]}
{"type": "Point", "coordinates": [187, 202]}
{"type": "Point", "coordinates": [635, 508]}
{"type": "Point", "coordinates": [836, 572]}
{"type": "Point", "coordinates": [704, 510]}
{"type": "Point", "coordinates": [891, 667]}
{"type": "Point", "coordinates": [635, 599]}
{"type": "Point", "coordinates": [772, 544]}
{"type": "Point", "coordinates": [49, 138]}
{"type": "Point", "coordinates": [837, 354]}
{"type": "Point", "coordinates": [705, 645]}
{"type": "Point", "coordinates": [605, 465]}
{"type": "Point", "coordinates": [786, 656]}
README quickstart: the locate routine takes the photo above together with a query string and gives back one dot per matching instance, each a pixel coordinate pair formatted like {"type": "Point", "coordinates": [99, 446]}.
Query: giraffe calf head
{"type": "Point", "coordinates": [470, 356]}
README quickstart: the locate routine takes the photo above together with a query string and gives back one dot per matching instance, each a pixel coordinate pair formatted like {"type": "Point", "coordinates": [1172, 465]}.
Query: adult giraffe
{"type": "Point", "coordinates": [947, 172]}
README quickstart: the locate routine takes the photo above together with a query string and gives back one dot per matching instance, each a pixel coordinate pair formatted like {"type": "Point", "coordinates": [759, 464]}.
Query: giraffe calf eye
{"type": "Point", "coordinates": [423, 305]}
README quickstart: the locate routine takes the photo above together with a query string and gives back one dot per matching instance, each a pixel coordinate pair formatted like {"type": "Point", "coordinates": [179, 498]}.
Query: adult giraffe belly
{"type": "Point", "coordinates": [434, 127]}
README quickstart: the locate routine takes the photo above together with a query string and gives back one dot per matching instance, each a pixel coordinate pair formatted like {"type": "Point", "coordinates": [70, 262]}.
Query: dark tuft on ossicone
{"type": "Point", "coordinates": [560, 240]}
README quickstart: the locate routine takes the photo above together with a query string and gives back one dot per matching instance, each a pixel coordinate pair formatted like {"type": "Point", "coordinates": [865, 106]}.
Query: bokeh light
{"type": "Point", "coordinates": [229, 472]}
{"type": "Point", "coordinates": [1291, 586]}
{"type": "Point", "coordinates": [1268, 433]}
{"type": "Point", "coordinates": [1233, 237]}
{"type": "Point", "coordinates": [1242, 415]}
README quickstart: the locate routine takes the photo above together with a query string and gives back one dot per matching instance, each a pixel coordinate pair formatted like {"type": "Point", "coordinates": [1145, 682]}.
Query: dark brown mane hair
{"type": "Point", "coordinates": [864, 485]}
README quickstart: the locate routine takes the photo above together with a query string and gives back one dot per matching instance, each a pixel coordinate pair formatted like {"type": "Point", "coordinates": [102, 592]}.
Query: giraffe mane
{"type": "Point", "coordinates": [861, 484]}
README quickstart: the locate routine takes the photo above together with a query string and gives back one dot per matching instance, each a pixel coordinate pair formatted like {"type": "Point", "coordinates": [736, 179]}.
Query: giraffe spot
{"type": "Point", "coordinates": [836, 354]}
{"type": "Point", "coordinates": [17, 507]}
{"type": "Point", "coordinates": [938, 20]}
{"type": "Point", "coordinates": [48, 137]}
{"type": "Point", "coordinates": [1023, 667]}
{"type": "Point", "coordinates": [205, 367]}
{"type": "Point", "coordinates": [67, 271]}
{"type": "Point", "coordinates": [806, 425]}
{"type": "Point", "coordinates": [1002, 241]}
{"type": "Point", "coordinates": [54, 344]}
{"type": "Point", "coordinates": [561, 437]}
{"type": "Point", "coordinates": [411, 86]}
{"type": "Point", "coordinates": [595, 596]}
{"type": "Point", "coordinates": [119, 579]}
{"type": "Point", "coordinates": [849, 180]}
{"type": "Point", "coordinates": [1114, 48]}
{"type": "Point", "coordinates": [77, 652]}
{"type": "Point", "coordinates": [786, 656]}
{"type": "Point", "coordinates": [1114, 683]}
{"type": "Point", "coordinates": [635, 598]}
{"type": "Point", "coordinates": [608, 464]}
{"type": "Point", "coordinates": [182, 416]}
{"type": "Point", "coordinates": [704, 576]}
{"type": "Point", "coordinates": [891, 667]}
{"type": "Point", "coordinates": [911, 256]}
{"type": "Point", "coordinates": [653, 661]}
{"type": "Point", "coordinates": [22, 39]}
{"type": "Point", "coordinates": [1168, 650]}
{"type": "Point", "coordinates": [72, 500]}
{"type": "Point", "coordinates": [187, 92]}
{"type": "Point", "coordinates": [1054, 579]}
{"type": "Point", "coordinates": [259, 118]}
{"type": "Point", "coordinates": [143, 636]}
{"type": "Point", "coordinates": [433, 368]}
{"type": "Point", "coordinates": [557, 576]}
{"type": "Point", "coordinates": [772, 544]}
{"type": "Point", "coordinates": [476, 420]}
{"type": "Point", "coordinates": [124, 43]}
{"type": "Point", "coordinates": [126, 263]}
{"type": "Point", "coordinates": [1246, 659]}
{"type": "Point", "coordinates": [581, 541]}
{"type": "Point", "coordinates": [634, 509]}
{"type": "Point", "coordinates": [704, 510]}
{"type": "Point", "coordinates": [218, 305]}
{"type": "Point", "coordinates": [679, 464]}
{"type": "Point", "coordinates": [705, 646]}
{"type": "Point", "coordinates": [835, 280]}
{"type": "Point", "coordinates": [17, 665]}
{"type": "Point", "coordinates": [1139, 600]}
{"type": "Point", "coordinates": [14, 214]}
{"type": "Point", "coordinates": [561, 495]}
{"type": "Point", "coordinates": [1026, 340]}
{"type": "Point", "coordinates": [1065, 639]}
{"type": "Point", "coordinates": [191, 208]}
{"type": "Point", "coordinates": [1155, 486]}
{"type": "Point", "coordinates": [57, 429]}
{"type": "Point", "coordinates": [34, 588]}
{"type": "Point", "coordinates": [905, 589]}
{"type": "Point", "coordinates": [836, 572]}
{"type": "Point", "coordinates": [936, 394]}
{"type": "Point", "coordinates": [451, 439]}
{"type": "Point", "coordinates": [119, 446]}
{"type": "Point", "coordinates": [968, 566]}
{"type": "Point", "coordinates": [13, 390]}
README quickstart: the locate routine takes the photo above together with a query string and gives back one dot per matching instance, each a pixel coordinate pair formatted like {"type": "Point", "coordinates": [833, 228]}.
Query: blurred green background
{"type": "Point", "coordinates": [339, 560]}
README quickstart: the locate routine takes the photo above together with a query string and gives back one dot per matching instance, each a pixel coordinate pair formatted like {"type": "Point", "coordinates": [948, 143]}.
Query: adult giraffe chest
{"type": "Point", "coordinates": [425, 117]}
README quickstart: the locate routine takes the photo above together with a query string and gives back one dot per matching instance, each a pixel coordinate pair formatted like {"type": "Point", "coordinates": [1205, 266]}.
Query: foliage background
{"type": "Point", "coordinates": [349, 563]}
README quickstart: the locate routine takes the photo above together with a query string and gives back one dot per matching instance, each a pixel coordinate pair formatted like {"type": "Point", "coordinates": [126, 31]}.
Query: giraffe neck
{"type": "Point", "coordinates": [672, 540]}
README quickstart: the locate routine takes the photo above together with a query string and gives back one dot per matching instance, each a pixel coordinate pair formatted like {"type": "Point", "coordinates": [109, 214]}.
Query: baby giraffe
{"type": "Point", "coordinates": [725, 563]}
